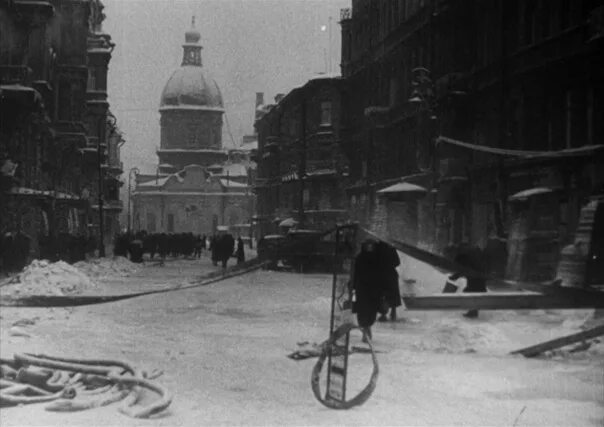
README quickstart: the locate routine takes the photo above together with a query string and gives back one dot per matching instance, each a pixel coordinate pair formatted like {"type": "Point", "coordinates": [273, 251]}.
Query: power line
{"type": "Point", "coordinates": [226, 117]}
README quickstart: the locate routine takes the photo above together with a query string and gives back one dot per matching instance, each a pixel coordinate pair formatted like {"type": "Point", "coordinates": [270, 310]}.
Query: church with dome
{"type": "Point", "coordinates": [198, 185]}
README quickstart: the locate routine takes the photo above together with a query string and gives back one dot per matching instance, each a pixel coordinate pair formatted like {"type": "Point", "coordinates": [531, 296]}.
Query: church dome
{"type": "Point", "coordinates": [190, 86]}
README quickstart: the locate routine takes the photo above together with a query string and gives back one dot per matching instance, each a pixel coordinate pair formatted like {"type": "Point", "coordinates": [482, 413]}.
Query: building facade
{"type": "Point", "coordinates": [301, 166]}
{"type": "Point", "coordinates": [474, 102]}
{"type": "Point", "coordinates": [198, 184]}
{"type": "Point", "coordinates": [51, 150]}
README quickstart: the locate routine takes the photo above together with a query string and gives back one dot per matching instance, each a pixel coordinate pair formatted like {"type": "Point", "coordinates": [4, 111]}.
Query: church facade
{"type": "Point", "coordinates": [198, 185]}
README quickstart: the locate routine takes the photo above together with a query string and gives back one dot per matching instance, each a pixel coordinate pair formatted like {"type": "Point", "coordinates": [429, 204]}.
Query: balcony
{"type": "Point", "coordinates": [345, 14]}
{"type": "Point", "coordinates": [99, 44]}
{"type": "Point", "coordinates": [96, 95]}
{"type": "Point", "coordinates": [115, 167]}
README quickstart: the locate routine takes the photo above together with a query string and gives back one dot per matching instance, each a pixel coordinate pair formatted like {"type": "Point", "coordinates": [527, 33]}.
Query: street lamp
{"type": "Point", "coordinates": [136, 172]}
{"type": "Point", "coordinates": [424, 95]}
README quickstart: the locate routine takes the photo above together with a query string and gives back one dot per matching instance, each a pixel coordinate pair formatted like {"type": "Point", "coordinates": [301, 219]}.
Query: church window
{"type": "Point", "coordinates": [192, 135]}
{"type": "Point", "coordinates": [326, 113]}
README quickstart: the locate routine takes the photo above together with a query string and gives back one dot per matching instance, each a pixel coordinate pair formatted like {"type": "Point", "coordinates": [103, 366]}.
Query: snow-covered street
{"type": "Point", "coordinates": [223, 350]}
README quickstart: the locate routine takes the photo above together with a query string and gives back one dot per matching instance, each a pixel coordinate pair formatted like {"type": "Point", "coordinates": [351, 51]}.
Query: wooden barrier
{"type": "Point", "coordinates": [501, 301]}
{"type": "Point", "coordinates": [535, 350]}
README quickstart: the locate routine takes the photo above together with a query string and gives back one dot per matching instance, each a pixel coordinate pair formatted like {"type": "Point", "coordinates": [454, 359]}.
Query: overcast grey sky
{"type": "Point", "coordinates": [249, 46]}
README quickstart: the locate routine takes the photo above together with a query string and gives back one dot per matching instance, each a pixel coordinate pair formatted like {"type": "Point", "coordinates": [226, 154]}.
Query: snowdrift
{"type": "Point", "coordinates": [98, 267]}
{"type": "Point", "coordinates": [42, 277]}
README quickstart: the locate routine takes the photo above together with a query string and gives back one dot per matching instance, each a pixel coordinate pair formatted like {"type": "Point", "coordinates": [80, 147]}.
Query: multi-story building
{"type": "Point", "coordinates": [301, 167]}
{"type": "Point", "coordinates": [458, 107]}
{"type": "Point", "coordinates": [49, 143]}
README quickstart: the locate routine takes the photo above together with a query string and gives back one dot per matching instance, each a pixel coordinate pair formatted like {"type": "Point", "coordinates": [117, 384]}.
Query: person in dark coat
{"type": "Point", "coordinates": [135, 250]}
{"type": "Point", "coordinates": [240, 251]}
{"type": "Point", "coordinates": [214, 249]}
{"type": "Point", "coordinates": [226, 246]}
{"type": "Point", "coordinates": [197, 251]}
{"type": "Point", "coordinates": [389, 261]}
{"type": "Point", "coordinates": [368, 286]}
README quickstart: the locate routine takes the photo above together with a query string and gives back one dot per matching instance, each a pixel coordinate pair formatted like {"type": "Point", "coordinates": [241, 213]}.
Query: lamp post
{"type": "Point", "coordinates": [100, 155]}
{"type": "Point", "coordinates": [424, 95]}
{"type": "Point", "coordinates": [136, 172]}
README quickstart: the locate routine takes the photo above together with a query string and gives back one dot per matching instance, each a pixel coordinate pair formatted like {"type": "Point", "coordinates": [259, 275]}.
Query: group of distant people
{"type": "Point", "coordinates": [16, 249]}
{"type": "Point", "coordinates": [135, 245]}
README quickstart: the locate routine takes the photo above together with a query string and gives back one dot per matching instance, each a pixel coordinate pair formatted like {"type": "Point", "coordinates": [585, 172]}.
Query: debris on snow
{"type": "Point", "coordinates": [460, 337]}
{"type": "Point", "coordinates": [15, 331]}
{"type": "Point", "coordinates": [26, 322]}
{"type": "Point", "coordinates": [42, 277]}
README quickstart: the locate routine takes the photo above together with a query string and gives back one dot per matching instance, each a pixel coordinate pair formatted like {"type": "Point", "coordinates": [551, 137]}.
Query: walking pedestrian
{"type": "Point", "coordinates": [367, 286]}
{"type": "Point", "coordinates": [240, 251]}
{"type": "Point", "coordinates": [214, 249]}
{"type": "Point", "coordinates": [197, 249]}
{"type": "Point", "coordinates": [225, 246]}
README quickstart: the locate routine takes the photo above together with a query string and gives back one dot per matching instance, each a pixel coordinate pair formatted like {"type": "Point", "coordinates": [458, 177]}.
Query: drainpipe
{"type": "Point", "coordinates": [101, 245]}
{"type": "Point", "coordinates": [302, 168]}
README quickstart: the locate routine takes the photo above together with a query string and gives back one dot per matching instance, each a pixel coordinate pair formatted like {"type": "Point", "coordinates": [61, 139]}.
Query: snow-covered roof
{"type": "Point", "coordinates": [403, 187]}
{"type": "Point", "coordinates": [159, 182]}
{"type": "Point", "coordinates": [248, 146]}
{"type": "Point", "coordinates": [232, 184]}
{"type": "Point", "coordinates": [525, 194]}
{"type": "Point", "coordinates": [234, 169]}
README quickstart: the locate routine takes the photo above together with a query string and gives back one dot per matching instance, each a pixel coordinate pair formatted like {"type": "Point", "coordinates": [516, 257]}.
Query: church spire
{"type": "Point", "coordinates": [192, 48]}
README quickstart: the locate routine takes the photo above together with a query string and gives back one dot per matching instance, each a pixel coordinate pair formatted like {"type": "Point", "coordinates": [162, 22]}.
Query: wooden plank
{"type": "Point", "coordinates": [561, 342]}
{"type": "Point", "coordinates": [501, 301]}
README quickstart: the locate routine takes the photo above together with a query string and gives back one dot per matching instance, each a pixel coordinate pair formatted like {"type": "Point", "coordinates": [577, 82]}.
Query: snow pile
{"type": "Point", "coordinates": [457, 336]}
{"type": "Point", "coordinates": [42, 277]}
{"type": "Point", "coordinates": [117, 266]}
